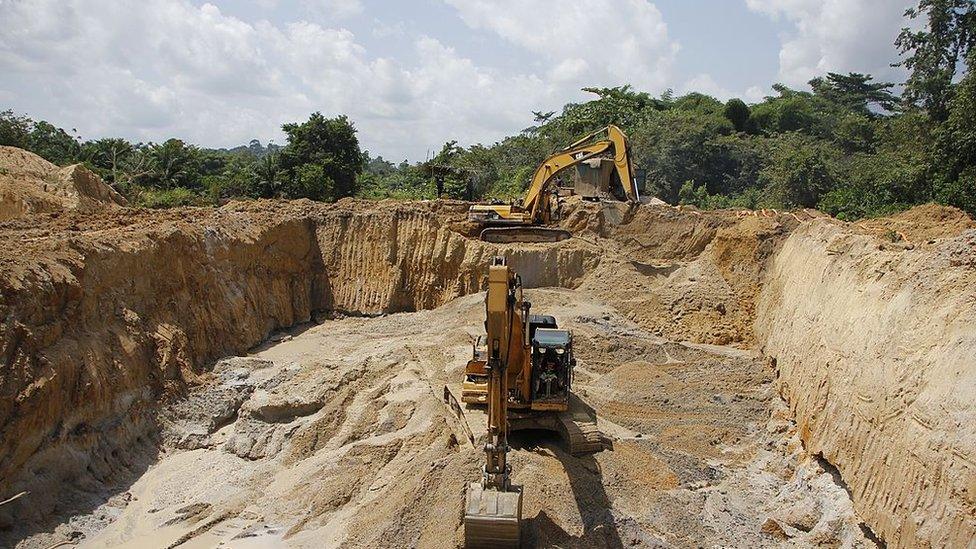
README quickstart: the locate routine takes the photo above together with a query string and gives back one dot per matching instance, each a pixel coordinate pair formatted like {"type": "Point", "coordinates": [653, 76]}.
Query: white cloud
{"type": "Point", "coordinates": [154, 70]}
{"type": "Point", "coordinates": [836, 36]}
{"type": "Point", "coordinates": [754, 94]}
{"type": "Point", "coordinates": [389, 30]}
{"type": "Point", "coordinates": [333, 9]}
{"type": "Point", "coordinates": [587, 42]}
{"type": "Point", "coordinates": [172, 68]}
{"type": "Point", "coordinates": [704, 83]}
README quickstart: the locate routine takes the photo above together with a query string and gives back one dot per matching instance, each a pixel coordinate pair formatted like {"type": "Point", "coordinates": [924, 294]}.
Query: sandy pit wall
{"type": "Point", "coordinates": [875, 344]}
{"type": "Point", "coordinates": [98, 327]}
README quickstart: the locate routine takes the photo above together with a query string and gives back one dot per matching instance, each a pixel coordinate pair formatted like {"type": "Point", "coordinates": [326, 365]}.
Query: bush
{"type": "Point", "coordinates": [310, 181]}
{"type": "Point", "coordinates": [169, 198]}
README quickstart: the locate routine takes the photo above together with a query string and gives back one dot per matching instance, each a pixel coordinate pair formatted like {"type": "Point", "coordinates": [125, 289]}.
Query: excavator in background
{"type": "Point", "coordinates": [521, 371]}
{"type": "Point", "coordinates": [525, 221]}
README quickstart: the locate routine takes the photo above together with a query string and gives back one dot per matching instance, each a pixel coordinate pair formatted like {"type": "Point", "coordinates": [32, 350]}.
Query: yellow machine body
{"type": "Point", "coordinates": [520, 372]}
{"type": "Point", "coordinates": [523, 221]}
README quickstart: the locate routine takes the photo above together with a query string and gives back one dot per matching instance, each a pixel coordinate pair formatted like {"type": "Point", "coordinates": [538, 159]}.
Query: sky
{"type": "Point", "coordinates": [409, 74]}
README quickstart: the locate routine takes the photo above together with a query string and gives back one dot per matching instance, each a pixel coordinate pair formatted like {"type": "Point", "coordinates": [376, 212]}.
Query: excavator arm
{"type": "Point", "coordinates": [493, 507]}
{"type": "Point", "coordinates": [535, 202]}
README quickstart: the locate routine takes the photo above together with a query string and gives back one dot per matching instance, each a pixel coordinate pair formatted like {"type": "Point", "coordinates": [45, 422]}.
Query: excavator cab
{"type": "Point", "coordinates": [552, 368]}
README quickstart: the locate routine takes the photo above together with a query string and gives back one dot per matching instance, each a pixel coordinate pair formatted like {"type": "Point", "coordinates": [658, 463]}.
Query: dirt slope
{"type": "Point", "coordinates": [29, 184]}
{"type": "Point", "coordinates": [876, 351]}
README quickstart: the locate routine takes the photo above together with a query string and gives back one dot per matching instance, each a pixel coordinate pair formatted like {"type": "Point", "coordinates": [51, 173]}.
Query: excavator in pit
{"type": "Point", "coordinates": [519, 377]}
{"type": "Point", "coordinates": [604, 156]}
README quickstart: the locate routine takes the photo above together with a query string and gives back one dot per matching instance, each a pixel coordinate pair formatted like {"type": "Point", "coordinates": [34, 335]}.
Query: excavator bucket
{"type": "Point", "coordinates": [505, 235]}
{"type": "Point", "coordinates": [492, 518]}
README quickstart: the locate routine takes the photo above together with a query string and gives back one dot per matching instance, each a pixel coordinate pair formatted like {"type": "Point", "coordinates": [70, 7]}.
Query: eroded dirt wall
{"type": "Point", "coordinates": [98, 333]}
{"type": "Point", "coordinates": [406, 259]}
{"type": "Point", "coordinates": [875, 343]}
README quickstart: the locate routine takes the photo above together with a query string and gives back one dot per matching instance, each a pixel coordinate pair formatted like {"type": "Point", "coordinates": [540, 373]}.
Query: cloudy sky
{"type": "Point", "coordinates": [410, 74]}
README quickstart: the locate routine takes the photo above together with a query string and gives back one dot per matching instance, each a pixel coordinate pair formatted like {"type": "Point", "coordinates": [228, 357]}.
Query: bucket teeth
{"type": "Point", "coordinates": [492, 518]}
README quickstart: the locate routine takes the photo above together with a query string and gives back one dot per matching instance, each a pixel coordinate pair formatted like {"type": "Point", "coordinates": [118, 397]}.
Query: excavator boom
{"type": "Point", "coordinates": [581, 150]}
{"type": "Point", "coordinates": [524, 223]}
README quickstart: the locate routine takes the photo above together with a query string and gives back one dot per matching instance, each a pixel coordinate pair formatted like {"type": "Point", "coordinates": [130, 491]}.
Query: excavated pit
{"type": "Point", "coordinates": [269, 373]}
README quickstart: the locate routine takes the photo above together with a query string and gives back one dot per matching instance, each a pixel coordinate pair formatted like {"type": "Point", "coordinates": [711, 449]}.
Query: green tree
{"type": "Point", "coordinates": [677, 146]}
{"type": "Point", "coordinates": [447, 170]}
{"type": "Point", "coordinates": [310, 181]}
{"type": "Point", "coordinates": [620, 105]}
{"type": "Point", "coordinates": [855, 133]}
{"type": "Point", "coordinates": [854, 92]}
{"type": "Point", "coordinates": [791, 111]}
{"type": "Point", "coordinates": [270, 176]}
{"type": "Point", "coordinates": [956, 147]}
{"type": "Point", "coordinates": [329, 143]}
{"type": "Point", "coordinates": [238, 179]}
{"type": "Point", "coordinates": [933, 52]}
{"type": "Point", "coordinates": [15, 130]}
{"type": "Point", "coordinates": [110, 158]}
{"type": "Point", "coordinates": [738, 113]}
{"type": "Point", "coordinates": [800, 168]}
{"type": "Point", "coordinates": [53, 143]}
{"type": "Point", "coordinates": [172, 164]}
{"type": "Point", "coordinates": [698, 102]}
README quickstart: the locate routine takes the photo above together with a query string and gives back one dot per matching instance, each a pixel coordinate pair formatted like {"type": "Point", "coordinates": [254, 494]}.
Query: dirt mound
{"type": "Point", "coordinates": [921, 224]}
{"type": "Point", "coordinates": [686, 275]}
{"type": "Point", "coordinates": [29, 185]}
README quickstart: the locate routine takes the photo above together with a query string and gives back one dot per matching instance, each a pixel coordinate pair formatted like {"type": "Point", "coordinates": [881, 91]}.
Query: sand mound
{"type": "Point", "coordinates": [922, 223]}
{"type": "Point", "coordinates": [29, 184]}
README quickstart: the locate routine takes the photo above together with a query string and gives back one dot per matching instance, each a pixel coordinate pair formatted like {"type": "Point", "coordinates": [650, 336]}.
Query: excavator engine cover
{"type": "Point", "coordinates": [492, 518]}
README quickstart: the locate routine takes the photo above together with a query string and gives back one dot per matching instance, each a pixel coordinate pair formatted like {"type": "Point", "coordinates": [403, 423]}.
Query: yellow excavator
{"type": "Point", "coordinates": [521, 371]}
{"type": "Point", "coordinates": [525, 221]}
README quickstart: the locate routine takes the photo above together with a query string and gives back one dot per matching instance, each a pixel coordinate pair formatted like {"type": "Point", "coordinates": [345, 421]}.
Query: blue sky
{"type": "Point", "coordinates": [411, 75]}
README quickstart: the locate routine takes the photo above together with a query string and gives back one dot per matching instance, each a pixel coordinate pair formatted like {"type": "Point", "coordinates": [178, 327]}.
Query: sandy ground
{"type": "Point", "coordinates": [334, 434]}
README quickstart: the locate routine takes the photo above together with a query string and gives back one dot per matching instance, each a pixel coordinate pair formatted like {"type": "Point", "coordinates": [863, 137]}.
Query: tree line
{"type": "Point", "coordinates": [849, 146]}
{"type": "Point", "coordinates": [321, 161]}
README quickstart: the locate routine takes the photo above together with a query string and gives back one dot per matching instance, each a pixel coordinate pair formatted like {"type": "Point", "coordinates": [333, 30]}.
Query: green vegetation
{"type": "Point", "coordinates": [849, 146]}
{"type": "Point", "coordinates": [322, 161]}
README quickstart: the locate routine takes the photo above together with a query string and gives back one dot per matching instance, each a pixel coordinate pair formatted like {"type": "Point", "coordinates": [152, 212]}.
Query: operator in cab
{"type": "Point", "coordinates": [549, 380]}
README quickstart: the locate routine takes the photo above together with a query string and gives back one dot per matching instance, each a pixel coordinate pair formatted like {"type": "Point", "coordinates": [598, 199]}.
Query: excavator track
{"type": "Point", "coordinates": [505, 235]}
{"type": "Point", "coordinates": [581, 437]}
{"type": "Point", "coordinates": [576, 427]}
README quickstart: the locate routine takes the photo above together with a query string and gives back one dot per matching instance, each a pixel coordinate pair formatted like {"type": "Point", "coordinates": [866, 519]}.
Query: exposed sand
{"type": "Point", "coordinates": [341, 439]}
